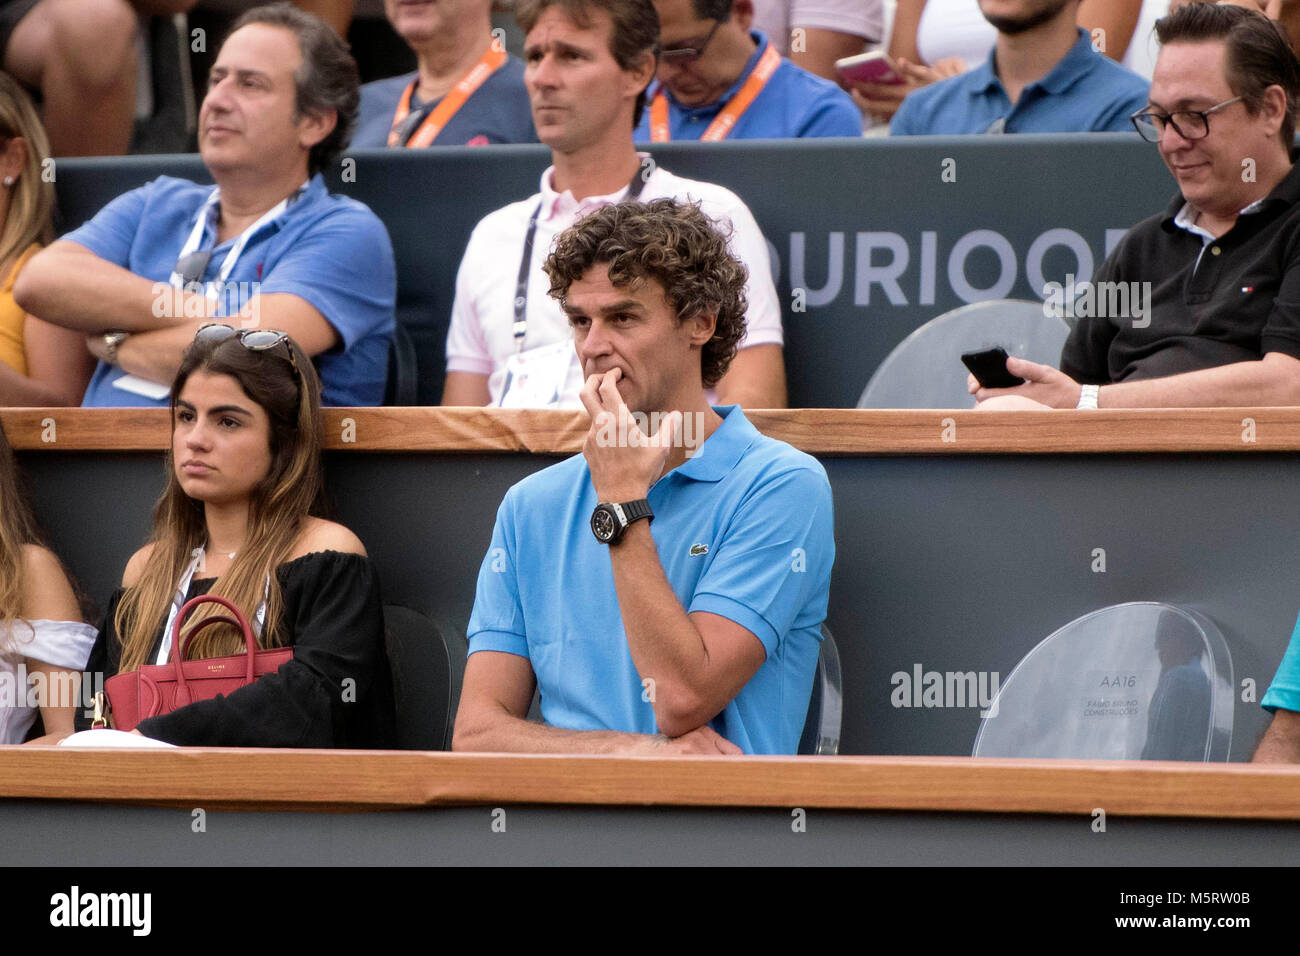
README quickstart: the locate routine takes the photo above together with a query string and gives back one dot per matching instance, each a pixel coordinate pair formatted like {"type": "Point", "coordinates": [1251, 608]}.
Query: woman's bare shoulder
{"type": "Point", "coordinates": [321, 535]}
{"type": "Point", "coordinates": [47, 593]}
{"type": "Point", "coordinates": [135, 566]}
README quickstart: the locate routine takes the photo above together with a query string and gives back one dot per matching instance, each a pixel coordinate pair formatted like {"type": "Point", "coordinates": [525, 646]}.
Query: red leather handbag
{"type": "Point", "coordinates": [156, 689]}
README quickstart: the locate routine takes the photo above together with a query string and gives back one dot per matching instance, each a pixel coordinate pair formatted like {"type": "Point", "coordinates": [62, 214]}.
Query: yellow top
{"type": "Point", "coordinates": [12, 317]}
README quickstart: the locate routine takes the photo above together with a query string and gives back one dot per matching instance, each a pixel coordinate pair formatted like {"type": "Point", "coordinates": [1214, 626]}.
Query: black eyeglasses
{"type": "Point", "coordinates": [192, 266]}
{"type": "Point", "coordinates": [681, 55]}
{"type": "Point", "coordinates": [1189, 124]}
{"type": "Point", "coordinates": [255, 340]}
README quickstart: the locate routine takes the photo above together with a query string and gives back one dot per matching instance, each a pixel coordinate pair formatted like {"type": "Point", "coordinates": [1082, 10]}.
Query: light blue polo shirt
{"type": "Point", "coordinates": [794, 103]}
{"type": "Point", "coordinates": [331, 251]}
{"type": "Point", "coordinates": [1085, 92]}
{"type": "Point", "coordinates": [744, 530]}
{"type": "Point", "coordinates": [497, 112]}
{"type": "Point", "coordinates": [1284, 692]}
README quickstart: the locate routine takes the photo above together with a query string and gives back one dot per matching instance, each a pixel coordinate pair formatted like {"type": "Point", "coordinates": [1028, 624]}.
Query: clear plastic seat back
{"type": "Point", "coordinates": [925, 369]}
{"type": "Point", "coordinates": [1138, 681]}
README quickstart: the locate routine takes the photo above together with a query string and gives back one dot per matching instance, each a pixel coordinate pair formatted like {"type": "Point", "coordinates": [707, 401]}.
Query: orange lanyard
{"type": "Point", "coordinates": [724, 122]}
{"type": "Point", "coordinates": [441, 115]}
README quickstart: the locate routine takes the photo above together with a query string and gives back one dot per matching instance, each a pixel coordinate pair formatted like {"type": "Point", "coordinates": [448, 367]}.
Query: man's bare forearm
{"type": "Point", "coordinates": [755, 379]}
{"type": "Point", "coordinates": [696, 663]}
{"type": "Point", "coordinates": [1274, 380]}
{"type": "Point", "coordinates": [156, 355]}
{"type": "Point", "coordinates": [71, 286]}
{"type": "Point", "coordinates": [504, 733]}
{"type": "Point", "coordinates": [752, 395]}
{"type": "Point", "coordinates": [822, 47]}
{"type": "Point", "coordinates": [1281, 741]}
{"type": "Point", "coordinates": [666, 646]}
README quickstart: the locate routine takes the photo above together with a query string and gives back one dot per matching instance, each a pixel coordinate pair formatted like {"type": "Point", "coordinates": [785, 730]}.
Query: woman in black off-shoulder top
{"type": "Point", "coordinates": [243, 475]}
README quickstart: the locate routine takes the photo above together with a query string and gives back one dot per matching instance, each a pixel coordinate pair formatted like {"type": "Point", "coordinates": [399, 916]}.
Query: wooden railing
{"type": "Point", "coordinates": [816, 431]}
{"type": "Point", "coordinates": [366, 780]}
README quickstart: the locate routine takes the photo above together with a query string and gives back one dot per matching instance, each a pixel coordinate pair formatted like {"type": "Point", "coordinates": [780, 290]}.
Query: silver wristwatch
{"type": "Point", "coordinates": [111, 341]}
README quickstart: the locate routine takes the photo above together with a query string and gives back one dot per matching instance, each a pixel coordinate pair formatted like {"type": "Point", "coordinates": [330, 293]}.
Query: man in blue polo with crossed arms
{"type": "Point", "coordinates": [268, 246]}
{"type": "Point", "coordinates": [664, 589]}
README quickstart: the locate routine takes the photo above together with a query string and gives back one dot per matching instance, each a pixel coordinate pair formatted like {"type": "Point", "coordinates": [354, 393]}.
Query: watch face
{"type": "Point", "coordinates": [603, 525]}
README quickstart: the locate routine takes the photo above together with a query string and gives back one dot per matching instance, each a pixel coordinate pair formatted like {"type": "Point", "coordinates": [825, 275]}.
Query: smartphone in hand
{"type": "Point", "coordinates": [874, 67]}
{"type": "Point", "coordinates": [990, 368]}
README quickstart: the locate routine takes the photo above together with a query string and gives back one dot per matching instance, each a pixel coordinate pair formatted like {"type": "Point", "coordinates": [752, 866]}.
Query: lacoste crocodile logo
{"type": "Point", "coordinates": [698, 549]}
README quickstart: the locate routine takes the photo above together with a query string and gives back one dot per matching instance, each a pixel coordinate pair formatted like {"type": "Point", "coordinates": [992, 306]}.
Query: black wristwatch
{"type": "Point", "coordinates": [609, 522]}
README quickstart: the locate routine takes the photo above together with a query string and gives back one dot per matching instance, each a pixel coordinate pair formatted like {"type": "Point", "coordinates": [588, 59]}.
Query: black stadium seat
{"type": "Point", "coordinates": [424, 679]}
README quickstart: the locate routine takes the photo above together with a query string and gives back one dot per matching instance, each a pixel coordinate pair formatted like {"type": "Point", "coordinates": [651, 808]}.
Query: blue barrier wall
{"type": "Point", "coordinates": [870, 238]}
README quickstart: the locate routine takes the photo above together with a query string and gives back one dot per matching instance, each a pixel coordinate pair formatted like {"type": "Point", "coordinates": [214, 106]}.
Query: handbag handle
{"type": "Point", "coordinates": [179, 650]}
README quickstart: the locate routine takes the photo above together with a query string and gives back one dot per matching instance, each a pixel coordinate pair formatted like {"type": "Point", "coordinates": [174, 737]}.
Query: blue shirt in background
{"type": "Point", "coordinates": [497, 112]}
{"type": "Point", "coordinates": [744, 530]}
{"type": "Point", "coordinates": [1085, 92]}
{"type": "Point", "coordinates": [793, 103]}
{"type": "Point", "coordinates": [331, 251]}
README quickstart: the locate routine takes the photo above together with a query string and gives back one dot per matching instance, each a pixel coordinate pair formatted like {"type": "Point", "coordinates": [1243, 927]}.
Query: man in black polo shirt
{"type": "Point", "coordinates": [1219, 322]}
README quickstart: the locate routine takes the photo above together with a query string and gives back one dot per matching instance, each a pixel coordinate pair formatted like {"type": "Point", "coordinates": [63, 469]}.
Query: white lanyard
{"type": "Point", "coordinates": [179, 601]}
{"type": "Point", "coordinates": [519, 328]}
{"type": "Point", "coordinates": [213, 289]}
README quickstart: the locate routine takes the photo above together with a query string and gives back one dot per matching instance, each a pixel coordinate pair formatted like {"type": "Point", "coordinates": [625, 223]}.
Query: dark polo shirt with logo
{"type": "Point", "coordinates": [1233, 299]}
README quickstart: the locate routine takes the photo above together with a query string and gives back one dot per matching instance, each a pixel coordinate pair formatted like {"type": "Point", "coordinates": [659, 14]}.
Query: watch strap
{"type": "Point", "coordinates": [635, 511]}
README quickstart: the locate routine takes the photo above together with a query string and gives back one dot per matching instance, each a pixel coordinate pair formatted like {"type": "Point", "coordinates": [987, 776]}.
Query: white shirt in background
{"type": "Point", "coordinates": [480, 339]}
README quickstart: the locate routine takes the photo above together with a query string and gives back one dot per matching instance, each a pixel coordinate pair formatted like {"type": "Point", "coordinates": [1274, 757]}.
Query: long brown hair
{"type": "Point", "coordinates": [278, 506]}
{"type": "Point", "coordinates": [31, 200]}
{"type": "Point", "coordinates": [17, 529]}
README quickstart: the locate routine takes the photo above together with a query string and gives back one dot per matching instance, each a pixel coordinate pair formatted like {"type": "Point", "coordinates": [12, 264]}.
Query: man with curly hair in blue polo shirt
{"type": "Point", "coordinates": [665, 588]}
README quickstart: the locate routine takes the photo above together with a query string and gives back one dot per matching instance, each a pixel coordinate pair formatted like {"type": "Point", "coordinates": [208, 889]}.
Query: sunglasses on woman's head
{"type": "Point", "coordinates": [255, 340]}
